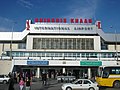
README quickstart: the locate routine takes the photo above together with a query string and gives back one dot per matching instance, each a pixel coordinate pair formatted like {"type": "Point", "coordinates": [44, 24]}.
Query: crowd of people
{"type": "Point", "coordinates": [23, 79]}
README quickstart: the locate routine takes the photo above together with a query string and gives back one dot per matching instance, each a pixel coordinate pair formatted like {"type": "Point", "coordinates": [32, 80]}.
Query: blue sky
{"type": "Point", "coordinates": [107, 11]}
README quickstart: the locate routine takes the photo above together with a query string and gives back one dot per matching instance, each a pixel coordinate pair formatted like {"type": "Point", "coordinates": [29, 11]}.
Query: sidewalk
{"type": "Point", "coordinates": [37, 84]}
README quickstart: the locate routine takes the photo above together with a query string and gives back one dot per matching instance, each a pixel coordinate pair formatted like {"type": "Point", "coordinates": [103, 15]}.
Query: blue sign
{"type": "Point", "coordinates": [38, 63]}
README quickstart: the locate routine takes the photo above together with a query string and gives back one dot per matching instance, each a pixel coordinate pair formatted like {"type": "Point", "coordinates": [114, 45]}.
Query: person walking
{"type": "Point", "coordinates": [21, 84]}
{"type": "Point", "coordinates": [44, 78]}
{"type": "Point", "coordinates": [28, 84]}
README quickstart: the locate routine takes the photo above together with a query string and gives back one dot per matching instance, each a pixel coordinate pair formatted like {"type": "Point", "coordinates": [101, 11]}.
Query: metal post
{"type": "Point", "coordinates": [11, 42]}
{"type": "Point", "coordinates": [116, 51]}
{"type": "Point", "coordinates": [116, 46]}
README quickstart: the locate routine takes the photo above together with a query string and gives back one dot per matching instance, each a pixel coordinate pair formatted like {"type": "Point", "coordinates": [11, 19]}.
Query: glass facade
{"type": "Point", "coordinates": [22, 46]}
{"type": "Point", "coordinates": [64, 43]}
{"type": "Point", "coordinates": [104, 46]}
{"type": "Point", "coordinates": [62, 54]}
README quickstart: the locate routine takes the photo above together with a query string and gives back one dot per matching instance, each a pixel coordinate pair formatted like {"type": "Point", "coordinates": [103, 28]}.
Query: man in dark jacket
{"type": "Point", "coordinates": [11, 82]}
{"type": "Point", "coordinates": [44, 78]}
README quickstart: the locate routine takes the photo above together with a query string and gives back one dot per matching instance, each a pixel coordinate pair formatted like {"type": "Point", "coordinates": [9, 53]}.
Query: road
{"type": "Point", "coordinates": [52, 85]}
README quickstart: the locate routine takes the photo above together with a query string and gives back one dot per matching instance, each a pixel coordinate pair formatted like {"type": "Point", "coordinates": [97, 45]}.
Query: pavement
{"type": "Point", "coordinates": [37, 85]}
{"type": "Point", "coordinates": [52, 85]}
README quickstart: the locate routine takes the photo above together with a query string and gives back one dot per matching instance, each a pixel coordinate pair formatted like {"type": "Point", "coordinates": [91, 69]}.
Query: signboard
{"type": "Point", "coordinates": [85, 26]}
{"type": "Point", "coordinates": [90, 63]}
{"type": "Point", "coordinates": [63, 20]}
{"type": "Point", "coordinates": [38, 63]}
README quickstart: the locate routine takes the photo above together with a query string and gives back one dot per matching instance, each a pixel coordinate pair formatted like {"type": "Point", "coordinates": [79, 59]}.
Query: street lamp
{"type": "Point", "coordinates": [116, 50]}
{"type": "Point", "coordinates": [116, 45]}
{"type": "Point", "coordinates": [11, 40]}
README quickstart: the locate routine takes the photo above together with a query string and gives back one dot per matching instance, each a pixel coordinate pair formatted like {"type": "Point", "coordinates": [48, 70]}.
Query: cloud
{"type": "Point", "coordinates": [5, 24]}
{"type": "Point", "coordinates": [25, 3]}
{"type": "Point", "coordinates": [83, 9]}
{"type": "Point", "coordinates": [4, 29]}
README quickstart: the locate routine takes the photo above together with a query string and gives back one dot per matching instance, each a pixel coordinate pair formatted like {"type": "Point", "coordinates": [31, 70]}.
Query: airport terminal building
{"type": "Point", "coordinates": [59, 46]}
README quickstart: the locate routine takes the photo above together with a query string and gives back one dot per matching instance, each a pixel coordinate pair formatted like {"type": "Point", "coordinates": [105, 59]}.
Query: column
{"type": "Point", "coordinates": [38, 72]}
{"type": "Point", "coordinates": [63, 70]}
{"type": "Point", "coordinates": [89, 73]}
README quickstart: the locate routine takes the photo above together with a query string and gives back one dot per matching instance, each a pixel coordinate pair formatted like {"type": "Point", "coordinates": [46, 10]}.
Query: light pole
{"type": "Point", "coordinates": [116, 46]}
{"type": "Point", "coordinates": [11, 41]}
{"type": "Point", "coordinates": [116, 51]}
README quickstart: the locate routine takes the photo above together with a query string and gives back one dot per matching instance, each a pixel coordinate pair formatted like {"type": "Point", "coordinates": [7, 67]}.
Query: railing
{"type": "Point", "coordinates": [58, 58]}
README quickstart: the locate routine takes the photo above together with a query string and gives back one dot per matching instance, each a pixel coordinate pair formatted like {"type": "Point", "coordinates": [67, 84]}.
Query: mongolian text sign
{"type": "Point", "coordinates": [90, 63]}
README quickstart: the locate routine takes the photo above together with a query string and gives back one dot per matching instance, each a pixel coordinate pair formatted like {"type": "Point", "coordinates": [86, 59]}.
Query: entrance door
{"type": "Point", "coordinates": [76, 73]}
{"type": "Point", "coordinates": [29, 72]}
{"type": "Point", "coordinates": [83, 72]}
{"type": "Point", "coordinates": [93, 72]}
{"type": "Point", "coordinates": [51, 73]}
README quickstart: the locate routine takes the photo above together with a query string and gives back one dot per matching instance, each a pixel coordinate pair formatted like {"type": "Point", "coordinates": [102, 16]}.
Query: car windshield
{"type": "Point", "coordinates": [74, 82]}
{"type": "Point", "coordinates": [83, 81]}
{"type": "Point", "coordinates": [93, 81]}
{"type": "Point", "coordinates": [77, 82]}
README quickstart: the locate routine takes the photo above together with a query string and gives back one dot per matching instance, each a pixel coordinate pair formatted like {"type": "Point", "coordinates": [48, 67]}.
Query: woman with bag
{"type": "Point", "coordinates": [21, 84]}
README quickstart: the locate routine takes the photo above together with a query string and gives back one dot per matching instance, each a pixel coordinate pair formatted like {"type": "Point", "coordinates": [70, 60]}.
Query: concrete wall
{"type": "Point", "coordinates": [97, 44]}
{"type": "Point", "coordinates": [1, 45]}
{"type": "Point", "coordinates": [112, 47]}
{"type": "Point", "coordinates": [29, 43]}
{"type": "Point", "coordinates": [6, 46]}
{"type": "Point", "coordinates": [5, 67]}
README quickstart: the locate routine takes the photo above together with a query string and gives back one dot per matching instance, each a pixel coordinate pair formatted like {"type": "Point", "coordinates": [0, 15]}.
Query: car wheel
{"type": "Point", "coordinates": [91, 88]}
{"type": "Point", "coordinates": [116, 84]}
{"type": "Point", "coordinates": [4, 82]}
{"type": "Point", "coordinates": [68, 88]}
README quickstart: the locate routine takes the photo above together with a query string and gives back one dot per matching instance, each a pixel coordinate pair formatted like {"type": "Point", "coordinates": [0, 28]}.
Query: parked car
{"type": "Point", "coordinates": [65, 78]}
{"type": "Point", "coordinates": [81, 84]}
{"type": "Point", "coordinates": [4, 79]}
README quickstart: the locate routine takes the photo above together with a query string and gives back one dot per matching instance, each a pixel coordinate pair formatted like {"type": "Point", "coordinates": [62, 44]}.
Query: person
{"type": "Point", "coordinates": [21, 84]}
{"type": "Point", "coordinates": [44, 78]}
{"type": "Point", "coordinates": [86, 76]}
{"type": "Point", "coordinates": [11, 82]}
{"type": "Point", "coordinates": [28, 83]}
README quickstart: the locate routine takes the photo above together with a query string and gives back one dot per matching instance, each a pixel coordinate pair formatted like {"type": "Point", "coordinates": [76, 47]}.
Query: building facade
{"type": "Point", "coordinates": [57, 47]}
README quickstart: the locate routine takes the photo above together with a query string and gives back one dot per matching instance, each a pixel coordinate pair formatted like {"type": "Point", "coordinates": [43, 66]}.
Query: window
{"type": "Point", "coordinates": [47, 54]}
{"type": "Point", "coordinates": [83, 55]}
{"type": "Point", "coordinates": [21, 46]}
{"type": "Point", "coordinates": [70, 55]}
{"type": "Point", "coordinates": [83, 44]}
{"type": "Point", "coordinates": [64, 43]}
{"type": "Point", "coordinates": [106, 72]}
{"type": "Point", "coordinates": [115, 70]}
{"type": "Point", "coordinates": [79, 82]}
{"type": "Point", "coordinates": [1, 76]}
{"type": "Point", "coordinates": [93, 55]}
{"type": "Point", "coordinates": [78, 55]}
{"type": "Point", "coordinates": [43, 54]}
{"type": "Point", "coordinates": [86, 82]}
